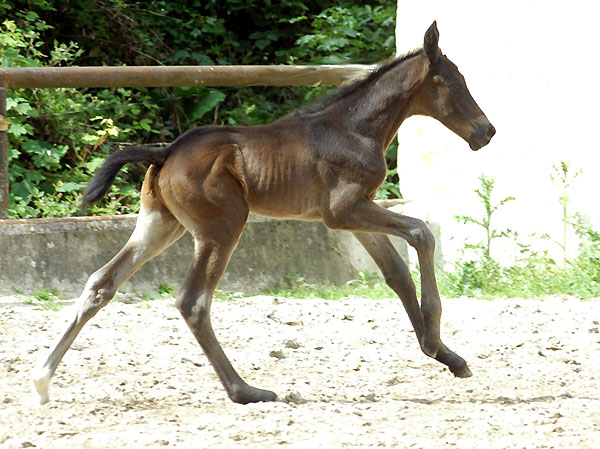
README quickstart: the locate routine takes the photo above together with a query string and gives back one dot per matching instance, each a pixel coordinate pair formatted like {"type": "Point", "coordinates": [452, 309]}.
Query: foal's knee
{"type": "Point", "coordinates": [421, 238]}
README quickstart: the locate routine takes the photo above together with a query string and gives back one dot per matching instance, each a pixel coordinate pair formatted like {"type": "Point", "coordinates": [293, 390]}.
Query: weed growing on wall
{"type": "Point", "coordinates": [533, 273]}
{"type": "Point", "coordinates": [563, 178]}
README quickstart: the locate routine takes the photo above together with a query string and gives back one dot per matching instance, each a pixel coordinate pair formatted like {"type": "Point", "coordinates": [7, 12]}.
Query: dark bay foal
{"type": "Point", "coordinates": [324, 162]}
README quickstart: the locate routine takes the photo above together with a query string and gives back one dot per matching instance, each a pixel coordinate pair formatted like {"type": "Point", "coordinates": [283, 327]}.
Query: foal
{"type": "Point", "coordinates": [323, 163]}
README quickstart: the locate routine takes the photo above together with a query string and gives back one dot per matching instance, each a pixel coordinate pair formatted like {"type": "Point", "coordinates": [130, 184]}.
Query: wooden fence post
{"type": "Point", "coordinates": [4, 180]}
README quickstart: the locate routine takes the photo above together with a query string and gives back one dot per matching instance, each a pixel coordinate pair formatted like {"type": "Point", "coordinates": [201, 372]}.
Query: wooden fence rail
{"type": "Point", "coordinates": [158, 76]}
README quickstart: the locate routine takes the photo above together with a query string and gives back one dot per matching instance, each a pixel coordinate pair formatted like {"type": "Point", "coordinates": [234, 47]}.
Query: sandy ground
{"type": "Point", "coordinates": [349, 374]}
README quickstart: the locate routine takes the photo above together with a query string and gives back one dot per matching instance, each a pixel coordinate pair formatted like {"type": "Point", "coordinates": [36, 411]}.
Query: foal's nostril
{"type": "Point", "coordinates": [491, 131]}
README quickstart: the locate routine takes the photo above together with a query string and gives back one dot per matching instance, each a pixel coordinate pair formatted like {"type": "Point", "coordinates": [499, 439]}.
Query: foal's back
{"type": "Point", "coordinates": [283, 169]}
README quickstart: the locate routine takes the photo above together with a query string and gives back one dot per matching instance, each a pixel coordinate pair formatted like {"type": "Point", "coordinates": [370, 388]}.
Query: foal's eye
{"type": "Point", "coordinates": [455, 88]}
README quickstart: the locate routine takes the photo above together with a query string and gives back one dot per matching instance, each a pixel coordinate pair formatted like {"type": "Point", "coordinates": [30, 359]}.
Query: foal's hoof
{"type": "Point", "coordinates": [462, 371]}
{"type": "Point", "coordinates": [248, 394]}
{"type": "Point", "coordinates": [40, 385]}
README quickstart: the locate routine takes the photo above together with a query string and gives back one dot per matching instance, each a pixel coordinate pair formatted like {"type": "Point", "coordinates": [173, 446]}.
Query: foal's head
{"type": "Point", "coordinates": [446, 98]}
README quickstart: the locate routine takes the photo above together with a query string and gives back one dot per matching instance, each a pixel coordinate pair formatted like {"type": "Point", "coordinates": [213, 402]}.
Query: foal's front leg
{"type": "Point", "coordinates": [398, 277]}
{"type": "Point", "coordinates": [366, 216]}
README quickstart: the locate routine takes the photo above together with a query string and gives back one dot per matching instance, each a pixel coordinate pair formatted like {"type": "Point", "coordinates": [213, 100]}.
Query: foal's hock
{"type": "Point", "coordinates": [324, 162]}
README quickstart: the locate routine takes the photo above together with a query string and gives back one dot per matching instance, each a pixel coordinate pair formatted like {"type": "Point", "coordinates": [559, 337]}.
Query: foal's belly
{"type": "Point", "coordinates": [286, 204]}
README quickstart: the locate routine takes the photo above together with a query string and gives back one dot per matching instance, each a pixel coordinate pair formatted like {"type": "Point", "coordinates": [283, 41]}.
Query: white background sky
{"type": "Point", "coordinates": [532, 66]}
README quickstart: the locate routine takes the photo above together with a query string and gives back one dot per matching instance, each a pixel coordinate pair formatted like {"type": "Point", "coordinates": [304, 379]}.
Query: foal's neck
{"type": "Point", "coordinates": [378, 109]}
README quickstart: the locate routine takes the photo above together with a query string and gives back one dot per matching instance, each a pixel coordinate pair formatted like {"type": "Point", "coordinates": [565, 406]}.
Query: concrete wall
{"type": "Point", "coordinates": [62, 253]}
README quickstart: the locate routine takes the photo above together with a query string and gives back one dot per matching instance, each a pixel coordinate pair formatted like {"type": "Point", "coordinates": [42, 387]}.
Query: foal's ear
{"type": "Point", "coordinates": [430, 43]}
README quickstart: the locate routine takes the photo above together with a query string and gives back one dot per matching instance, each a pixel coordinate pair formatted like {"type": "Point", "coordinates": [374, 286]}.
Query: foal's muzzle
{"type": "Point", "coordinates": [482, 136]}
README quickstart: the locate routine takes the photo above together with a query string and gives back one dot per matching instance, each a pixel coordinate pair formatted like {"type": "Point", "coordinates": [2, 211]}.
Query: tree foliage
{"type": "Point", "coordinates": [58, 137]}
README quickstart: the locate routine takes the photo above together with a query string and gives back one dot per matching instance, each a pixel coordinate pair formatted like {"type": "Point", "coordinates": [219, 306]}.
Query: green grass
{"type": "Point", "coordinates": [367, 286]}
{"type": "Point", "coordinates": [46, 298]}
{"type": "Point", "coordinates": [533, 276]}
{"type": "Point", "coordinates": [165, 289]}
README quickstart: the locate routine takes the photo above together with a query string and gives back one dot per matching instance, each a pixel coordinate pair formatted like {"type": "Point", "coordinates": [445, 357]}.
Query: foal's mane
{"type": "Point", "coordinates": [334, 95]}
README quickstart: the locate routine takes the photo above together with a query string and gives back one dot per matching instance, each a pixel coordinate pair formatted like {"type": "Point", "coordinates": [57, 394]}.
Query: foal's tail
{"type": "Point", "coordinates": [106, 174]}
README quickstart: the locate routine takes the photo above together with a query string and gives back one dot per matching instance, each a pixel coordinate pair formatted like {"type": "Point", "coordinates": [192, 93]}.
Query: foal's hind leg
{"type": "Point", "coordinates": [398, 277]}
{"type": "Point", "coordinates": [156, 229]}
{"type": "Point", "coordinates": [215, 239]}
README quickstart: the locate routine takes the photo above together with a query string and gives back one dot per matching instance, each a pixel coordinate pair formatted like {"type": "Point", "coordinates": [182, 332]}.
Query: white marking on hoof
{"type": "Point", "coordinates": [41, 382]}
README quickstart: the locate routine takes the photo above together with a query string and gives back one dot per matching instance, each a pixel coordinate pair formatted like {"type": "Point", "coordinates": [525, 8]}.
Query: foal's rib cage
{"type": "Point", "coordinates": [324, 162]}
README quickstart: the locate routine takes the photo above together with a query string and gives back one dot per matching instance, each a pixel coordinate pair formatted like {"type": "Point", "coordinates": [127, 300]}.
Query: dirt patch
{"type": "Point", "coordinates": [349, 374]}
